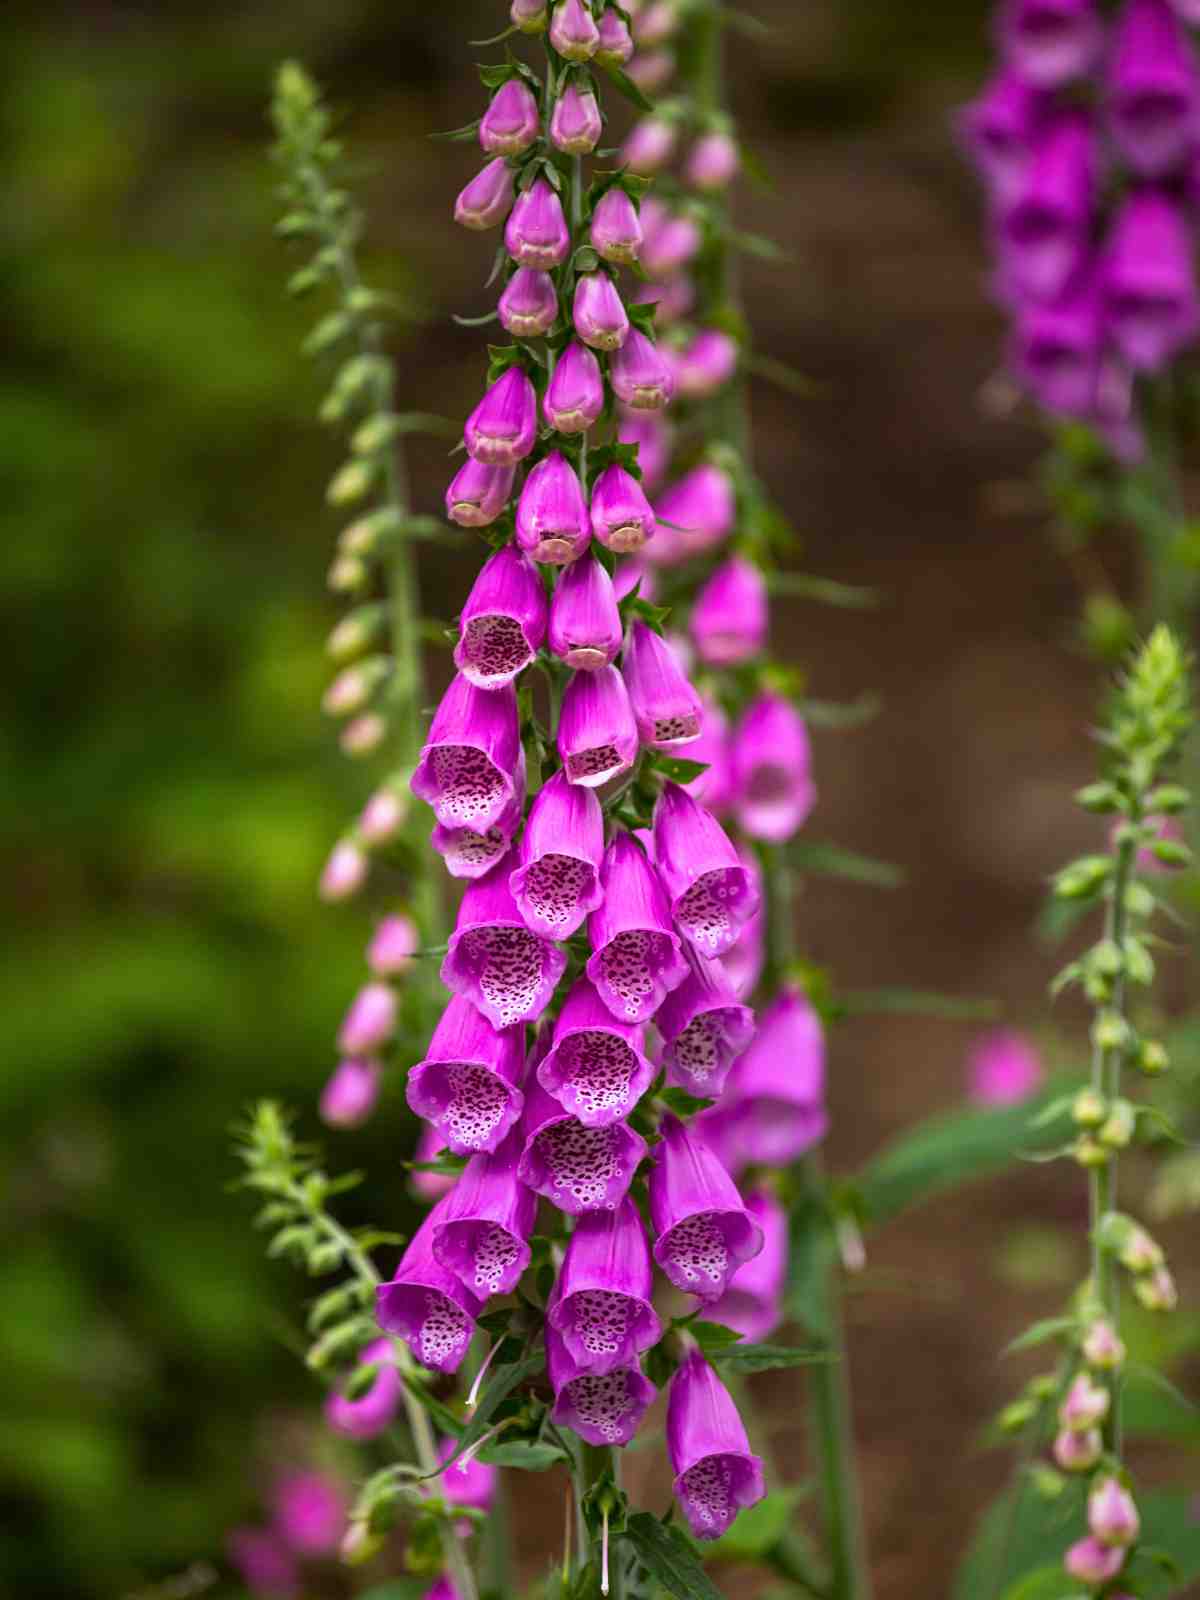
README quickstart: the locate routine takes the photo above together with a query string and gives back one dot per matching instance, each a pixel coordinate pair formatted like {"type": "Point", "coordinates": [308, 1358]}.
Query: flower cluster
{"type": "Point", "coordinates": [1087, 140]}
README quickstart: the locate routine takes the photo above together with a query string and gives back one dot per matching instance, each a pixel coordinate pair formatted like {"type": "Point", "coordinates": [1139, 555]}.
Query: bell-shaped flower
{"type": "Point", "coordinates": [600, 318]}
{"type": "Point", "coordinates": [308, 1510]}
{"type": "Point", "coordinates": [503, 624]}
{"type": "Point", "coordinates": [576, 123]}
{"type": "Point", "coordinates": [704, 1027]}
{"type": "Point", "coordinates": [596, 1067]}
{"type": "Point", "coordinates": [503, 427]}
{"type": "Point", "coordinates": [393, 945]}
{"type": "Point", "coordinates": [585, 624]}
{"type": "Point", "coordinates": [428, 1306]}
{"type": "Point", "coordinates": [640, 377]}
{"type": "Point", "coordinates": [1049, 42]}
{"type": "Point", "coordinates": [652, 435]}
{"type": "Point", "coordinates": [477, 493]}
{"type": "Point", "coordinates": [1046, 230]}
{"type": "Point", "coordinates": [577, 1169]}
{"type": "Point", "coordinates": [616, 230]}
{"type": "Point", "coordinates": [700, 508]}
{"type": "Point", "coordinates": [669, 246]}
{"type": "Point", "coordinates": [998, 129]}
{"type": "Point", "coordinates": [631, 574]}
{"type": "Point", "coordinates": [1056, 349]}
{"type": "Point", "coordinates": [349, 1097]}
{"type": "Point", "coordinates": [616, 43]}
{"type": "Point", "coordinates": [597, 735]}
{"type": "Point", "coordinates": [776, 1090]}
{"type": "Point", "coordinates": [713, 788]}
{"type": "Point", "coordinates": [558, 880]}
{"type": "Point", "coordinates": [573, 31]}
{"type": "Point", "coordinates": [707, 363]}
{"type": "Point", "coordinates": [370, 1020]}
{"type": "Point", "coordinates": [488, 198]}
{"type": "Point", "coordinates": [703, 1231]}
{"type": "Point", "coordinates": [729, 618]}
{"type": "Point", "coordinates": [622, 517]}
{"type": "Point", "coordinates": [1148, 282]}
{"type": "Point", "coordinates": [649, 146]}
{"type": "Point", "coordinates": [467, 1086]}
{"type": "Point", "coordinates": [712, 893]}
{"type": "Point", "coordinates": [603, 1408]}
{"type": "Point", "coordinates": [665, 705]}
{"type": "Point", "coordinates": [470, 759]}
{"type": "Point", "coordinates": [1003, 1069]}
{"type": "Point", "coordinates": [753, 1305]}
{"type": "Point", "coordinates": [467, 1481]}
{"type": "Point", "coordinates": [652, 70]}
{"type": "Point", "coordinates": [1153, 91]}
{"type": "Point", "coordinates": [574, 397]}
{"type": "Point", "coordinates": [716, 1474]}
{"type": "Point", "coordinates": [552, 516]}
{"type": "Point", "coordinates": [712, 162]}
{"type": "Point", "coordinates": [637, 957]}
{"type": "Point", "coordinates": [771, 770]}
{"type": "Point", "coordinates": [482, 1233]}
{"type": "Point", "coordinates": [493, 959]}
{"type": "Point", "coordinates": [655, 23]}
{"type": "Point", "coordinates": [466, 854]}
{"type": "Point", "coordinates": [510, 124]}
{"type": "Point", "coordinates": [536, 234]}
{"type": "Point", "coordinates": [1091, 1562]}
{"type": "Point", "coordinates": [601, 1302]}
{"type": "Point", "coordinates": [529, 305]}
{"type": "Point", "coordinates": [374, 1411]}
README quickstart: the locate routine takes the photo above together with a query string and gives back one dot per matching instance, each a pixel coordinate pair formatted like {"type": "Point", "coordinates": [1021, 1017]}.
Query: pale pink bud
{"type": "Point", "coordinates": [382, 816]}
{"type": "Point", "coordinates": [1112, 1514]}
{"type": "Point", "coordinates": [712, 162]}
{"type": "Point", "coordinates": [364, 735]}
{"type": "Point", "coordinates": [576, 126]}
{"type": "Point", "coordinates": [349, 1097]}
{"type": "Point", "coordinates": [530, 16]}
{"type": "Point", "coordinates": [650, 145]}
{"type": "Point", "coordinates": [1078, 1452]}
{"type": "Point", "coordinates": [345, 871]}
{"type": "Point", "coordinates": [488, 197]}
{"type": "Point", "coordinates": [370, 1021]}
{"type": "Point", "coordinates": [1102, 1348]}
{"type": "Point", "coordinates": [655, 25]}
{"type": "Point", "coordinates": [652, 70]}
{"type": "Point", "coordinates": [1092, 1562]}
{"type": "Point", "coordinates": [1085, 1405]}
{"type": "Point", "coordinates": [395, 943]}
{"type": "Point", "coordinates": [615, 46]}
{"type": "Point", "coordinates": [573, 31]}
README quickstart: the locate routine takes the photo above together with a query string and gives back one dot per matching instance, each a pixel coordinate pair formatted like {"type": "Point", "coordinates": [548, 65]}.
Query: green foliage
{"type": "Point", "coordinates": [669, 1558]}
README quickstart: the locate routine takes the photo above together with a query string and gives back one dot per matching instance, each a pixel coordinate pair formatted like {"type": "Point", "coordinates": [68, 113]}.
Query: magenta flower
{"type": "Point", "coordinates": [600, 318]}
{"type": "Point", "coordinates": [652, 70]}
{"type": "Point", "coordinates": [375, 1410]}
{"type": "Point", "coordinates": [308, 1510]}
{"type": "Point", "coordinates": [711, 892]}
{"type": "Point", "coordinates": [1148, 281]}
{"type": "Point", "coordinates": [477, 494]}
{"type": "Point", "coordinates": [665, 706]}
{"type": "Point", "coordinates": [1050, 42]}
{"type": "Point", "coordinates": [637, 958]}
{"type": "Point", "coordinates": [575, 123]}
{"type": "Point", "coordinates": [703, 1232]}
{"type": "Point", "coordinates": [753, 1305]}
{"type": "Point", "coordinates": [1003, 1069]}
{"type": "Point", "coordinates": [652, 435]}
{"type": "Point", "coordinates": [631, 574]}
{"type": "Point", "coordinates": [552, 516]}
{"type": "Point", "coordinates": [708, 363]}
{"type": "Point", "coordinates": [577, 1169]}
{"type": "Point", "coordinates": [503, 427]}
{"type": "Point", "coordinates": [597, 735]}
{"type": "Point", "coordinates": [650, 145]}
{"type": "Point", "coordinates": [394, 944]}
{"type": "Point", "coordinates": [349, 1097]}
{"type": "Point", "coordinates": [704, 1027]}
{"type": "Point", "coordinates": [999, 128]}
{"type": "Point", "coordinates": [712, 162]}
{"type": "Point", "coordinates": [1057, 349]}
{"type": "Point", "coordinates": [745, 958]}
{"type": "Point", "coordinates": [503, 623]}
{"type": "Point", "coordinates": [669, 245]}
{"type": "Point", "coordinates": [1093, 1563]}
{"type": "Point", "coordinates": [574, 397]}
{"type": "Point", "coordinates": [616, 45]}
{"type": "Point", "coordinates": [467, 854]}
{"type": "Point", "coordinates": [529, 305]}
{"type": "Point", "coordinates": [716, 1475]}
{"type": "Point", "coordinates": [530, 16]}
{"type": "Point", "coordinates": [488, 197]}
{"type": "Point", "coordinates": [1153, 89]}
{"type": "Point", "coordinates": [510, 124]}
{"type": "Point", "coordinates": [1045, 232]}
{"type": "Point", "coordinates": [469, 762]}
{"type": "Point", "coordinates": [573, 31]}
{"type": "Point", "coordinates": [383, 816]}
{"type": "Point", "coordinates": [714, 787]}
{"type": "Point", "coordinates": [467, 1084]}
{"type": "Point", "coordinates": [596, 1067]}
{"type": "Point", "coordinates": [601, 1303]}
{"type": "Point", "coordinates": [671, 300]}
{"type": "Point", "coordinates": [263, 1562]}
{"type": "Point", "coordinates": [616, 231]}
{"type": "Point", "coordinates": [344, 873]}
{"type": "Point", "coordinates": [1112, 1515]}
{"type": "Point", "coordinates": [429, 1186]}
{"type": "Point", "coordinates": [602, 1408]}
{"type": "Point", "coordinates": [493, 959]}
{"type": "Point", "coordinates": [536, 234]}
{"type": "Point", "coordinates": [771, 763]}
{"type": "Point", "coordinates": [482, 1233]}
{"type": "Point", "coordinates": [655, 23]}
{"type": "Point", "coordinates": [640, 377]}
{"type": "Point", "coordinates": [426, 1305]}
{"type": "Point", "coordinates": [776, 1090]}
{"type": "Point", "coordinates": [701, 509]}
{"type": "Point", "coordinates": [729, 618]}
{"type": "Point", "coordinates": [585, 624]}
{"type": "Point", "coordinates": [370, 1021]}
{"type": "Point", "coordinates": [622, 517]}
{"type": "Point", "coordinates": [467, 1481]}
{"type": "Point", "coordinates": [557, 882]}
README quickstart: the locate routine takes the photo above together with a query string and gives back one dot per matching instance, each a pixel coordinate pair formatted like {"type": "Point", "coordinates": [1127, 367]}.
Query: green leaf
{"type": "Point", "coordinates": [840, 713]}
{"type": "Point", "coordinates": [1040, 1333]}
{"type": "Point", "coordinates": [744, 1359]}
{"type": "Point", "coordinates": [1047, 1583]}
{"type": "Point", "coordinates": [504, 1381]}
{"type": "Point", "coordinates": [832, 861]}
{"type": "Point", "coordinates": [628, 88]}
{"type": "Point", "coordinates": [681, 1102]}
{"type": "Point", "coordinates": [528, 1455]}
{"type": "Point", "coordinates": [669, 1559]}
{"type": "Point", "coordinates": [806, 586]}
{"type": "Point", "coordinates": [441, 1414]}
{"type": "Point", "coordinates": [918, 1003]}
{"type": "Point", "coordinates": [713, 1337]}
{"type": "Point", "coordinates": [677, 768]}
{"type": "Point", "coordinates": [758, 244]}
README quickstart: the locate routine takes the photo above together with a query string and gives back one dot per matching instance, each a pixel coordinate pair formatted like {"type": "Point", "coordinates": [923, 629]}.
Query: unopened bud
{"type": "Point", "coordinates": [1044, 1387]}
{"type": "Point", "coordinates": [1018, 1415]}
{"type": "Point", "coordinates": [349, 1096]}
{"type": "Point", "coordinates": [1093, 1563]}
{"type": "Point", "coordinates": [1112, 1515]}
{"type": "Point", "coordinates": [353, 687]}
{"type": "Point", "coordinates": [1156, 1290]}
{"type": "Point", "coordinates": [1047, 1484]}
{"type": "Point", "coordinates": [1089, 1153]}
{"type": "Point", "coordinates": [359, 1544]}
{"type": "Point", "coordinates": [1119, 1126]}
{"type": "Point", "coordinates": [395, 944]}
{"type": "Point", "coordinates": [350, 482]}
{"type": "Point", "coordinates": [383, 816]}
{"type": "Point", "coordinates": [345, 872]}
{"type": "Point", "coordinates": [530, 16]}
{"type": "Point", "coordinates": [1089, 1108]}
{"type": "Point", "coordinates": [356, 633]}
{"type": "Point", "coordinates": [347, 575]}
{"type": "Point", "coordinates": [370, 1021]}
{"type": "Point", "coordinates": [1102, 1348]}
{"type": "Point", "coordinates": [1085, 1404]}
{"type": "Point", "coordinates": [1110, 1031]}
{"type": "Point", "coordinates": [1138, 1252]}
{"type": "Point", "coordinates": [1078, 1452]}
{"type": "Point", "coordinates": [1152, 1057]}
{"type": "Point", "coordinates": [364, 734]}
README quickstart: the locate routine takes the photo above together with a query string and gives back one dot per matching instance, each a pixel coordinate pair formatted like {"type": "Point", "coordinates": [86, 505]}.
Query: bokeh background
{"type": "Point", "coordinates": [171, 789]}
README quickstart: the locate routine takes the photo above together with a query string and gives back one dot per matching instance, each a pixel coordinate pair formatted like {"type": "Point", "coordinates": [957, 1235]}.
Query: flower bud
{"type": "Point", "coordinates": [622, 517]}
{"type": "Point", "coordinates": [349, 1097]}
{"type": "Point", "coordinates": [651, 70]}
{"type": "Point", "coordinates": [585, 625]}
{"type": "Point", "coordinates": [573, 31]}
{"type": "Point", "coordinates": [650, 145]}
{"type": "Point", "coordinates": [356, 632]}
{"type": "Point", "coordinates": [486, 200]}
{"type": "Point", "coordinates": [712, 162]}
{"type": "Point", "coordinates": [529, 305]}
{"type": "Point", "coordinates": [395, 943]}
{"type": "Point", "coordinates": [503, 426]}
{"type": "Point", "coordinates": [536, 234]}
{"type": "Point", "coordinates": [510, 124]}
{"type": "Point", "coordinates": [345, 871]}
{"type": "Point", "coordinates": [665, 705]}
{"type": "Point", "coordinates": [370, 1021]}
{"type": "Point", "coordinates": [1102, 1348]}
{"type": "Point", "coordinates": [574, 397]}
{"type": "Point", "coordinates": [1119, 1127]}
{"type": "Point", "coordinates": [383, 816]}
{"type": "Point", "coordinates": [669, 247]}
{"type": "Point", "coordinates": [600, 318]}
{"type": "Point", "coordinates": [616, 230]}
{"type": "Point", "coordinates": [1078, 1452]}
{"type": "Point", "coordinates": [576, 124]}
{"type": "Point", "coordinates": [1156, 1290]}
{"type": "Point", "coordinates": [656, 24]}
{"type": "Point", "coordinates": [653, 439]}
{"type": "Point", "coordinates": [1112, 1515]}
{"type": "Point", "coordinates": [1017, 1416]}
{"type": "Point", "coordinates": [729, 618]}
{"type": "Point", "coordinates": [353, 687]}
{"type": "Point", "coordinates": [364, 735]}
{"type": "Point", "coordinates": [477, 493]}
{"type": "Point", "coordinates": [1092, 1562]}
{"type": "Point", "coordinates": [1152, 1057]}
{"type": "Point", "coordinates": [640, 377]}
{"type": "Point", "coordinates": [553, 525]}
{"type": "Point", "coordinates": [616, 45]}
{"type": "Point", "coordinates": [671, 300]}
{"type": "Point", "coordinates": [1138, 1252]}
{"type": "Point", "coordinates": [1085, 1404]}
{"type": "Point", "coordinates": [1089, 1108]}
{"type": "Point", "coordinates": [347, 575]}
{"type": "Point", "coordinates": [707, 363]}
{"type": "Point", "coordinates": [529, 16]}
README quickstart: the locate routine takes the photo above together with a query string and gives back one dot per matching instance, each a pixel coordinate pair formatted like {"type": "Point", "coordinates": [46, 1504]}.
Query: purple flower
{"type": "Point", "coordinates": [468, 1481]}
{"type": "Point", "coordinates": [585, 625]}
{"type": "Point", "coordinates": [374, 1411]}
{"type": "Point", "coordinates": [999, 129]}
{"type": "Point", "coordinates": [344, 873]}
{"type": "Point", "coordinates": [1152, 89]}
{"type": "Point", "coordinates": [600, 318]}
{"type": "Point", "coordinates": [716, 1476]}
{"type": "Point", "coordinates": [745, 959]}
{"type": "Point", "coordinates": [670, 244]}
{"type": "Point", "coordinates": [615, 46]}
{"type": "Point", "coordinates": [703, 1232]}
{"type": "Point", "coordinates": [601, 1303]}
{"type": "Point", "coordinates": [574, 397]}
{"type": "Point", "coordinates": [575, 123]}
{"type": "Point", "coordinates": [1148, 281]}
{"type": "Point", "coordinates": [602, 1408]}
{"type": "Point", "coordinates": [655, 24]}
{"type": "Point", "coordinates": [776, 1090]}
{"type": "Point", "coordinates": [503, 426]}
{"type": "Point", "coordinates": [1057, 349]}
{"type": "Point", "coordinates": [713, 788]}
{"type": "Point", "coordinates": [1112, 1515]}
{"type": "Point", "coordinates": [493, 959]}
{"type": "Point", "coordinates": [529, 305]}
{"type": "Point", "coordinates": [631, 574]}
{"type": "Point", "coordinates": [753, 1306]}
{"type": "Point", "coordinates": [622, 517]}
{"type": "Point", "coordinates": [665, 706]}
{"type": "Point", "coordinates": [1093, 1563]}
{"type": "Point", "coordinates": [1046, 229]}
{"type": "Point", "coordinates": [487, 198]}
{"type": "Point", "coordinates": [263, 1562]}
{"type": "Point", "coordinates": [1049, 42]}
{"type": "Point", "coordinates": [468, 766]}
{"type": "Point", "coordinates": [729, 618]}
{"type": "Point", "coordinates": [468, 854]}
{"type": "Point", "coordinates": [573, 31]}
{"type": "Point", "coordinates": [771, 762]}
{"type": "Point", "coordinates": [477, 494]}
{"type": "Point", "coordinates": [467, 1084]}
{"type": "Point", "coordinates": [671, 300]}
{"type": "Point", "coordinates": [349, 1097]}
{"type": "Point", "coordinates": [1004, 1069]}
{"type": "Point", "coordinates": [483, 1228]}
{"type": "Point", "coordinates": [650, 145]}
{"type": "Point", "coordinates": [429, 1186]}
{"type": "Point", "coordinates": [711, 892]}
{"type": "Point", "coordinates": [370, 1021]}
{"type": "Point", "coordinates": [651, 70]}
{"type": "Point", "coordinates": [552, 516]}
{"type": "Point", "coordinates": [707, 363]}
{"type": "Point", "coordinates": [701, 508]}
{"type": "Point", "coordinates": [503, 623]}
{"type": "Point", "coordinates": [557, 882]}
{"type": "Point", "coordinates": [704, 1027]}
{"type": "Point", "coordinates": [308, 1509]}
{"type": "Point", "coordinates": [395, 942]}
{"type": "Point", "coordinates": [530, 16]}
{"type": "Point", "coordinates": [578, 1169]}
{"type": "Point", "coordinates": [510, 123]}
{"type": "Point", "coordinates": [712, 162]}
{"type": "Point", "coordinates": [536, 234]}
{"type": "Point", "coordinates": [640, 377]}
{"type": "Point", "coordinates": [596, 1067]}
{"type": "Point", "coordinates": [616, 231]}
{"type": "Point", "coordinates": [637, 958]}
{"type": "Point", "coordinates": [652, 435]}
{"type": "Point", "coordinates": [597, 736]}
{"type": "Point", "coordinates": [426, 1305]}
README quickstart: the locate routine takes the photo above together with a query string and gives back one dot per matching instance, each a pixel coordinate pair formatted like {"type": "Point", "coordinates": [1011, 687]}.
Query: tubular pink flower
{"type": "Point", "coordinates": [467, 1084]}
{"type": "Point", "coordinates": [639, 375]}
{"type": "Point", "coordinates": [467, 854]}
{"type": "Point", "coordinates": [615, 45]}
{"type": "Point", "coordinates": [1045, 231]}
{"type": "Point", "coordinates": [375, 1410]}
{"type": "Point", "coordinates": [345, 871]}
{"type": "Point", "coordinates": [1148, 282]}
{"type": "Point", "coordinates": [553, 525]}
{"type": "Point", "coordinates": [370, 1021]}
{"type": "Point", "coordinates": [395, 942]}
{"type": "Point", "coordinates": [536, 234]}
{"type": "Point", "coordinates": [503, 427]}
{"type": "Point", "coordinates": [349, 1097]}
{"type": "Point", "coordinates": [1091, 1562]}
{"type": "Point", "coordinates": [616, 231]}
{"type": "Point", "coordinates": [703, 1231]}
{"type": "Point", "coordinates": [599, 316]}
{"type": "Point", "coordinates": [467, 1481]}
{"type": "Point", "coordinates": [1049, 42]}
{"type": "Point", "coordinates": [596, 1067]}
{"type": "Point", "coordinates": [529, 305]}
{"type": "Point", "coordinates": [998, 129]}
{"type": "Point", "coordinates": [704, 1027]}
{"type": "Point", "coordinates": [585, 624]}
{"type": "Point", "coordinates": [1153, 90]}
{"type": "Point", "coordinates": [712, 162]}
{"type": "Point", "coordinates": [729, 618]}
{"type": "Point", "coordinates": [711, 892]}
{"type": "Point", "coordinates": [488, 198]}
{"type": "Point", "coordinates": [707, 364]}
{"type": "Point", "coordinates": [557, 882]}
{"type": "Point", "coordinates": [426, 1305]}
{"type": "Point", "coordinates": [577, 1169]}
{"type": "Point", "coordinates": [308, 1510]}
{"type": "Point", "coordinates": [665, 706]}
{"type": "Point", "coordinates": [652, 436]}
{"type": "Point", "coordinates": [669, 247]}
{"type": "Point", "coordinates": [671, 300]}
{"type": "Point", "coordinates": [713, 788]}
{"type": "Point", "coordinates": [530, 16]}
{"type": "Point", "coordinates": [494, 960]}
{"type": "Point", "coordinates": [477, 494]}
{"type": "Point", "coordinates": [503, 624]}
{"type": "Point", "coordinates": [469, 763]}
{"type": "Point", "coordinates": [510, 124]}
{"type": "Point", "coordinates": [771, 770]}
{"type": "Point", "coordinates": [622, 517]}
{"type": "Point", "coordinates": [383, 816]}
{"type": "Point", "coordinates": [631, 574]}
{"type": "Point", "coordinates": [1112, 1515]}
{"type": "Point", "coordinates": [482, 1233]}
{"type": "Point", "coordinates": [576, 124]}
{"type": "Point", "coordinates": [602, 1408]}
{"type": "Point", "coordinates": [574, 397]}
{"type": "Point", "coordinates": [597, 736]}
{"type": "Point", "coordinates": [637, 957]}
{"type": "Point", "coordinates": [716, 1475]}
{"type": "Point", "coordinates": [601, 1302]}
{"type": "Point", "coordinates": [753, 1306]}
{"type": "Point", "coordinates": [573, 31]}
{"type": "Point", "coordinates": [776, 1090]}
{"type": "Point", "coordinates": [701, 508]}
{"type": "Point", "coordinates": [1004, 1069]}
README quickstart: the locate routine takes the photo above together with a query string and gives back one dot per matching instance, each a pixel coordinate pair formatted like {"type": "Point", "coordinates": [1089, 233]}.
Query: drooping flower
{"type": "Point", "coordinates": [601, 1303]}
{"type": "Point", "coordinates": [1003, 1069]}
{"type": "Point", "coordinates": [716, 1474]}
{"type": "Point", "coordinates": [370, 1021]}
{"type": "Point", "coordinates": [597, 735]}
{"type": "Point", "coordinates": [345, 872]}
{"type": "Point", "coordinates": [1049, 42]}
{"type": "Point", "coordinates": [622, 517]}
{"type": "Point", "coordinates": [308, 1510]}
{"type": "Point", "coordinates": [349, 1097]}
{"type": "Point", "coordinates": [707, 363]}
{"type": "Point", "coordinates": [713, 788]}
{"type": "Point", "coordinates": [426, 1305]}
{"type": "Point", "coordinates": [753, 1304]}
{"type": "Point", "coordinates": [557, 882]}
{"type": "Point", "coordinates": [652, 435]}
{"type": "Point", "coordinates": [666, 707]}
{"type": "Point", "coordinates": [467, 1085]}
{"type": "Point", "coordinates": [1153, 91]}
{"type": "Point", "coordinates": [585, 624]}
{"type": "Point", "coordinates": [700, 508]}
{"type": "Point", "coordinates": [373, 1412]}
{"type": "Point", "coordinates": [729, 618]}
{"type": "Point", "coordinates": [602, 1408]}
{"type": "Point", "coordinates": [703, 1231]}
{"type": "Point", "coordinates": [575, 123]}
{"type": "Point", "coordinates": [395, 942]}
{"type": "Point", "coordinates": [574, 397]}
{"type": "Point", "coordinates": [616, 231]}
{"type": "Point", "coordinates": [488, 197]}
{"type": "Point", "coordinates": [577, 1169]}
{"type": "Point", "coordinates": [650, 145]}
{"type": "Point", "coordinates": [528, 307]}
{"type": "Point", "coordinates": [1045, 231]}
{"type": "Point", "coordinates": [467, 854]}
{"type": "Point", "coordinates": [776, 1089]}
{"type": "Point", "coordinates": [493, 959]}
{"type": "Point", "coordinates": [771, 770]}
{"type": "Point", "coordinates": [503, 624]}
{"type": "Point", "coordinates": [573, 31]}
{"type": "Point", "coordinates": [631, 574]}
{"type": "Point", "coordinates": [529, 16]}
{"type": "Point", "coordinates": [640, 377]}
{"type": "Point", "coordinates": [652, 70]}
{"type": "Point", "coordinates": [616, 44]}
{"type": "Point", "coordinates": [599, 316]}
{"type": "Point", "coordinates": [712, 162]}
{"type": "Point", "coordinates": [655, 23]}
{"type": "Point", "coordinates": [477, 494]}
{"type": "Point", "coordinates": [503, 427]}
{"type": "Point", "coordinates": [712, 894]}
{"type": "Point", "coordinates": [553, 525]}
{"type": "Point", "coordinates": [704, 1027]}
{"type": "Point", "coordinates": [469, 762]}
{"type": "Point", "coordinates": [670, 245]}
{"type": "Point", "coordinates": [1094, 1563]}
{"type": "Point", "coordinates": [482, 1233]}
{"type": "Point", "coordinates": [263, 1562]}
{"type": "Point", "coordinates": [596, 1067]}
{"type": "Point", "coordinates": [384, 814]}
{"type": "Point", "coordinates": [1112, 1515]}
{"type": "Point", "coordinates": [466, 1481]}
{"type": "Point", "coordinates": [637, 957]}
{"type": "Point", "coordinates": [510, 124]}
{"type": "Point", "coordinates": [1056, 349]}
{"type": "Point", "coordinates": [998, 129]}
{"type": "Point", "coordinates": [536, 233]}
{"type": "Point", "coordinates": [671, 300]}
{"type": "Point", "coordinates": [1148, 280]}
